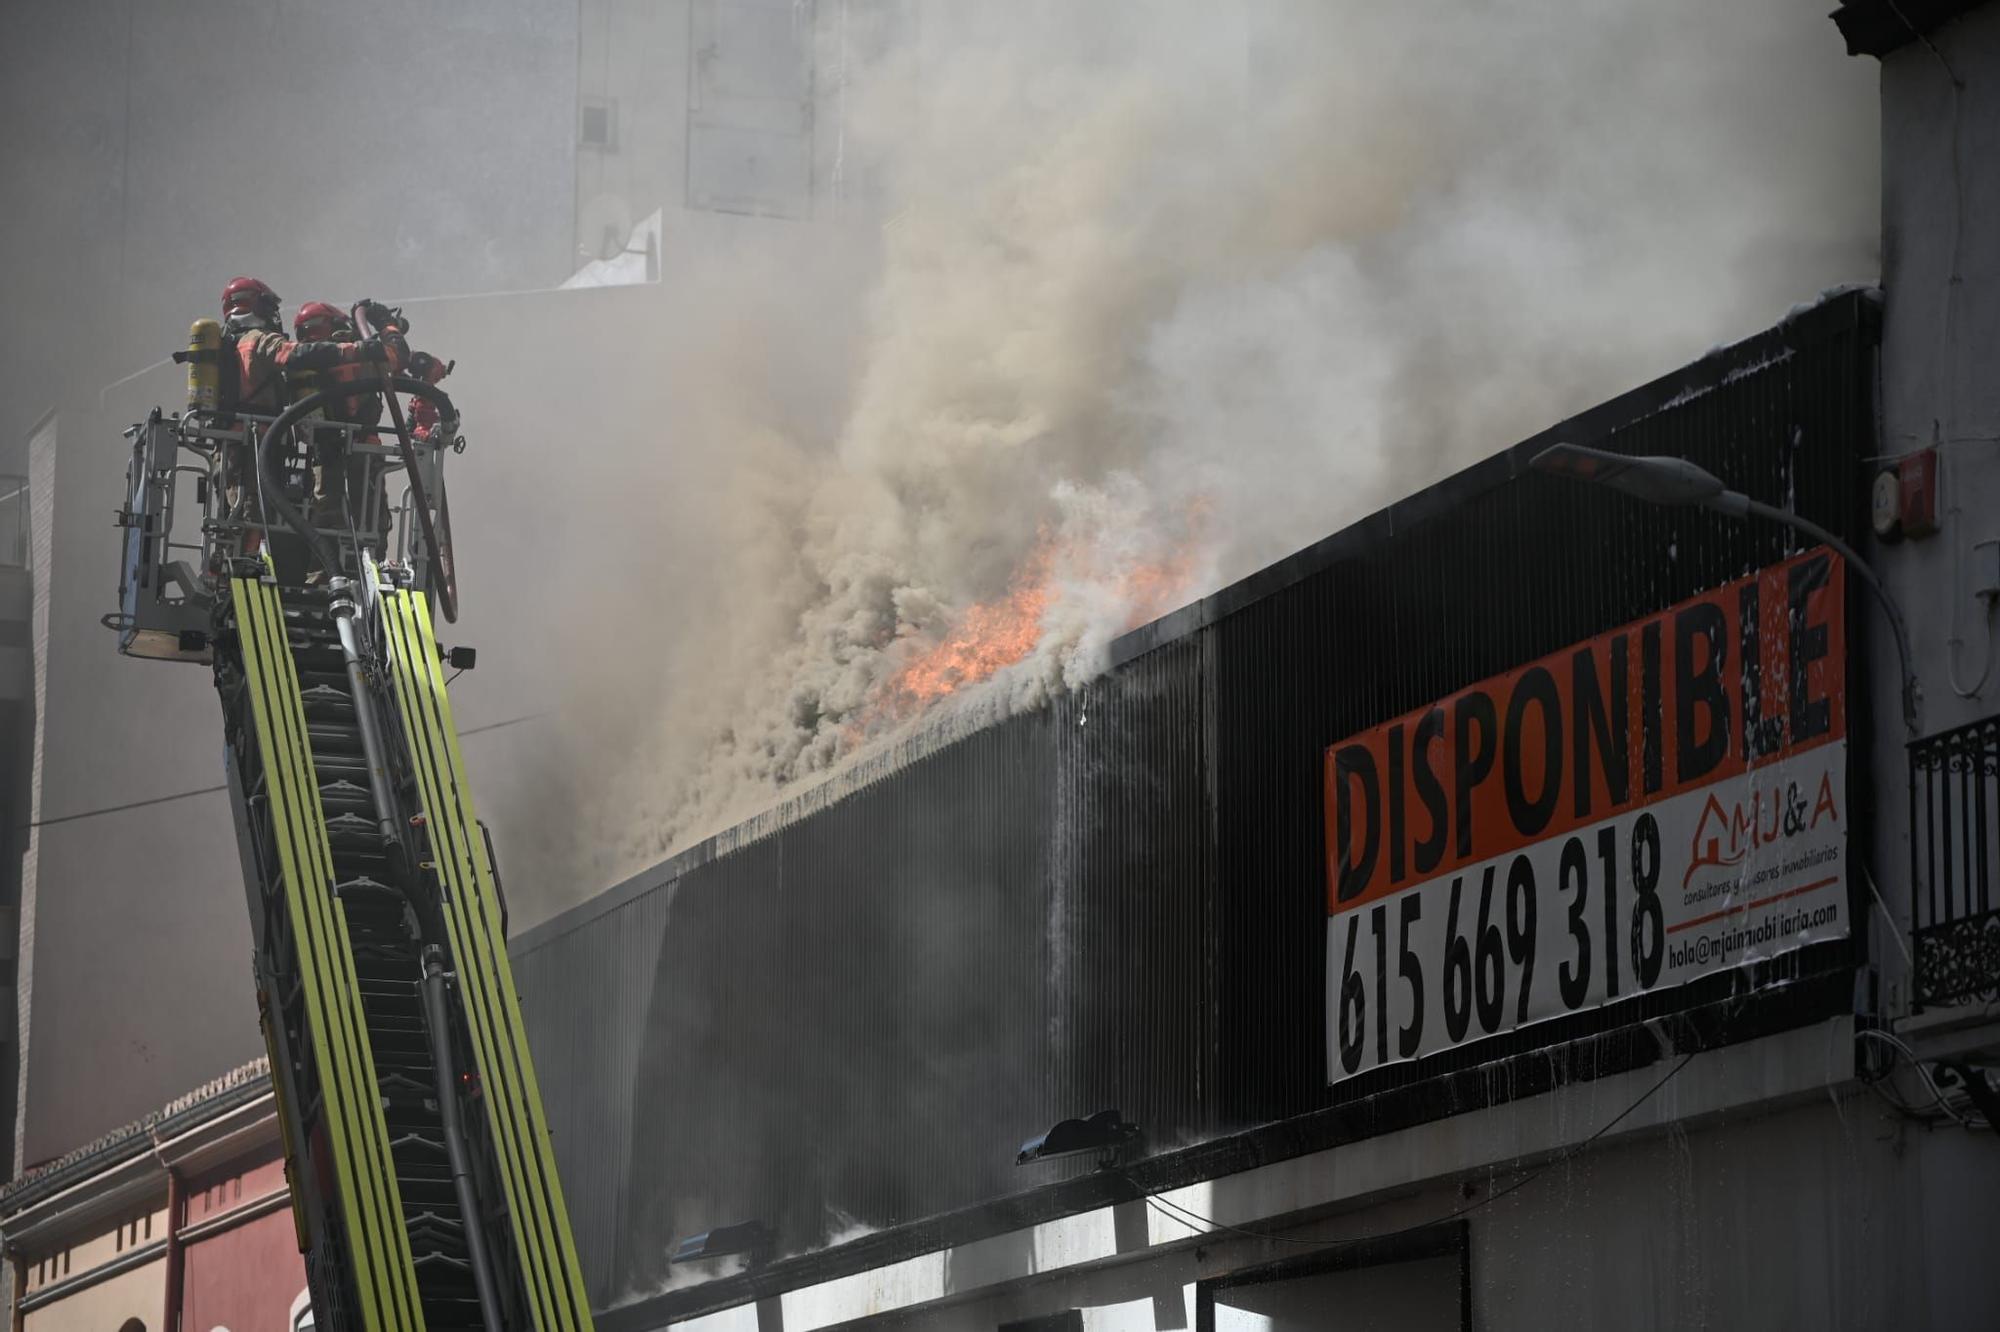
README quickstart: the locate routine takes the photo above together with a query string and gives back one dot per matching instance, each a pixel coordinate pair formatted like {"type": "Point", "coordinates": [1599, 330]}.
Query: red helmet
{"type": "Point", "coordinates": [318, 321]}
{"type": "Point", "coordinates": [247, 296]}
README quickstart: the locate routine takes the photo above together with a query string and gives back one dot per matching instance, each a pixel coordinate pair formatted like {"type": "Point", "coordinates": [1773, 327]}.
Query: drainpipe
{"type": "Point", "coordinates": [170, 1317]}
{"type": "Point", "coordinates": [19, 1320]}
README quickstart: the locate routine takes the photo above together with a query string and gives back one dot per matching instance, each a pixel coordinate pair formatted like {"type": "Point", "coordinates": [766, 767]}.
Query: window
{"type": "Point", "coordinates": [597, 128]}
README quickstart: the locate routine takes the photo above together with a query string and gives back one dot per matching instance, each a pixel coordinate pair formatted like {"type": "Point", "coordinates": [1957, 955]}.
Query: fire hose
{"type": "Point", "coordinates": [444, 578]}
{"type": "Point", "coordinates": [276, 499]}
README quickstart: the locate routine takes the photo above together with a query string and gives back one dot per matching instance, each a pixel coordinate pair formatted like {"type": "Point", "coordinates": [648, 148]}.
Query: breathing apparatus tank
{"type": "Point", "coordinates": [204, 363]}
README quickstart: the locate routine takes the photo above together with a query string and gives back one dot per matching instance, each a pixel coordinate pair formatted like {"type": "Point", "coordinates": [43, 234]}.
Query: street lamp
{"type": "Point", "coordinates": [753, 1239]}
{"type": "Point", "coordinates": [1105, 1133]}
{"type": "Point", "coordinates": [1676, 481]}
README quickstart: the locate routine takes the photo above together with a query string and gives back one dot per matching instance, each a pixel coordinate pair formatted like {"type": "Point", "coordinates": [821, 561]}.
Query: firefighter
{"type": "Point", "coordinates": [256, 357]}
{"type": "Point", "coordinates": [263, 355]}
{"type": "Point", "coordinates": [318, 322]}
{"type": "Point", "coordinates": [424, 412]}
{"type": "Point", "coordinates": [337, 488]}
{"type": "Point", "coordinates": [423, 418]}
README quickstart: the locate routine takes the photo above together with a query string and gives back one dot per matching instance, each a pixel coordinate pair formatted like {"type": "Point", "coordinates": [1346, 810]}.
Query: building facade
{"type": "Point", "coordinates": [181, 1220]}
{"type": "Point", "coordinates": [1529, 907]}
{"type": "Point", "coordinates": [843, 1020]}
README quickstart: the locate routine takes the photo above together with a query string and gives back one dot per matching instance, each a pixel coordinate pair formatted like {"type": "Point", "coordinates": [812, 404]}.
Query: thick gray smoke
{"type": "Point", "coordinates": [1139, 297]}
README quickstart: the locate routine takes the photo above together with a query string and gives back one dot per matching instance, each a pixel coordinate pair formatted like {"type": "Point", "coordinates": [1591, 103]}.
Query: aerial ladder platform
{"type": "Point", "coordinates": [424, 1190]}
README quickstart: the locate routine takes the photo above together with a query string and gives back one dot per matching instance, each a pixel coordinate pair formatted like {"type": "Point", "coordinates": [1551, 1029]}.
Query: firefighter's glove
{"type": "Point", "coordinates": [427, 367]}
{"type": "Point", "coordinates": [389, 348]}
{"type": "Point", "coordinates": [384, 318]}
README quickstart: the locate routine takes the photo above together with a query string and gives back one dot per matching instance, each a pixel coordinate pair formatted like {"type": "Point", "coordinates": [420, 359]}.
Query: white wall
{"type": "Point", "coordinates": [1940, 387]}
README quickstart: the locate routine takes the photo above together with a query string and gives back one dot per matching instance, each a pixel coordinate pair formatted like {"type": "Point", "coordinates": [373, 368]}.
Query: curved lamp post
{"type": "Point", "coordinates": [1673, 482]}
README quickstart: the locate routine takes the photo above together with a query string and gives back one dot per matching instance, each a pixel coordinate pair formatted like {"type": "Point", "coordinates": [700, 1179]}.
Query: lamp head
{"type": "Point", "coordinates": [1655, 480]}
{"type": "Point", "coordinates": [750, 1238]}
{"type": "Point", "coordinates": [1106, 1131]}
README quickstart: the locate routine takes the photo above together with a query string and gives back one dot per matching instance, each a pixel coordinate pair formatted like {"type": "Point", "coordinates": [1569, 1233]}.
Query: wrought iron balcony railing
{"type": "Point", "coordinates": [1954, 843]}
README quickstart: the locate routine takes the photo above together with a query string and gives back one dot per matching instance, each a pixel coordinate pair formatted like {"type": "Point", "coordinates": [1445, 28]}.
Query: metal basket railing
{"type": "Point", "coordinates": [1954, 840]}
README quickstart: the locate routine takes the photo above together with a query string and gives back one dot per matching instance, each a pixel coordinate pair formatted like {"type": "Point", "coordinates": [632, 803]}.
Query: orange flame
{"type": "Point", "coordinates": [988, 637]}
{"type": "Point", "coordinates": [991, 636]}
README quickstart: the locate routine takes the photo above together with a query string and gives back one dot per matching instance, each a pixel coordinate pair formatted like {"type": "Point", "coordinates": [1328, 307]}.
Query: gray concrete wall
{"type": "Point", "coordinates": [703, 118]}
{"type": "Point", "coordinates": [143, 981]}
{"type": "Point", "coordinates": [153, 152]}
{"type": "Point", "coordinates": [633, 54]}
{"type": "Point", "coordinates": [368, 148]}
{"type": "Point", "coordinates": [170, 148]}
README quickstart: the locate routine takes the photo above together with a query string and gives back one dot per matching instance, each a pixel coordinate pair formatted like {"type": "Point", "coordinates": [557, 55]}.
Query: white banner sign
{"type": "Point", "coordinates": [1655, 805]}
{"type": "Point", "coordinates": [1658, 896]}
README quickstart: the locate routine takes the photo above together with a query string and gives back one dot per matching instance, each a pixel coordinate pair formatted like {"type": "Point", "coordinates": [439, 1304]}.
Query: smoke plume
{"type": "Point", "coordinates": [1114, 303]}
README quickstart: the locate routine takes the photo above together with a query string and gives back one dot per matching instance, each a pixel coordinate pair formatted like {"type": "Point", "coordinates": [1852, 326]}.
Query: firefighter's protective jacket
{"type": "Point", "coordinates": [263, 358]}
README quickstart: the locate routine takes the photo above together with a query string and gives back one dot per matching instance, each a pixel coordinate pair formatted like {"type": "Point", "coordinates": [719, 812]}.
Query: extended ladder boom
{"type": "Point", "coordinates": [423, 1184]}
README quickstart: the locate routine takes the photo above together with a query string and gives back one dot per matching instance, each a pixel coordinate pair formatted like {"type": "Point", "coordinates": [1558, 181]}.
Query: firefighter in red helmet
{"type": "Point", "coordinates": [342, 491]}
{"type": "Point", "coordinates": [318, 321]}
{"type": "Point", "coordinates": [256, 357]}
{"type": "Point", "coordinates": [335, 489]}
{"type": "Point", "coordinates": [263, 355]}
{"type": "Point", "coordinates": [248, 303]}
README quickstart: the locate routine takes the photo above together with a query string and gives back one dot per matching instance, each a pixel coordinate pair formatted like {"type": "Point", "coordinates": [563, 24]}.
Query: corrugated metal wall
{"type": "Point", "coordinates": [584, 999]}
{"type": "Point", "coordinates": [1118, 899]}
{"type": "Point", "coordinates": [1516, 571]}
{"type": "Point", "coordinates": [901, 1015]}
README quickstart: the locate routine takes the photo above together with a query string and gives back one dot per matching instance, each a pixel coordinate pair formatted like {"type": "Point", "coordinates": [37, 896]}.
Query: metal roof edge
{"type": "Point", "coordinates": [130, 1180]}
{"type": "Point", "coordinates": [1878, 27]}
{"type": "Point", "coordinates": [214, 1099]}
{"type": "Point", "coordinates": [864, 769]}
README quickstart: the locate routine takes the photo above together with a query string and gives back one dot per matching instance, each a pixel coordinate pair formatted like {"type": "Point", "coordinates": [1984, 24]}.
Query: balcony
{"type": "Point", "coordinates": [1954, 838]}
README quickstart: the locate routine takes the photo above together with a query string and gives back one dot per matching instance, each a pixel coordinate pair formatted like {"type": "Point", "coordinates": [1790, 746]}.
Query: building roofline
{"type": "Point", "coordinates": [1878, 27]}
{"type": "Point", "coordinates": [210, 1101]}
{"type": "Point", "coordinates": [1837, 311]}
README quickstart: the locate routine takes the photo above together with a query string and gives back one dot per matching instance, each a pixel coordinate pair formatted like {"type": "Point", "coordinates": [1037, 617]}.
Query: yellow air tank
{"type": "Point", "coordinates": [204, 366]}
